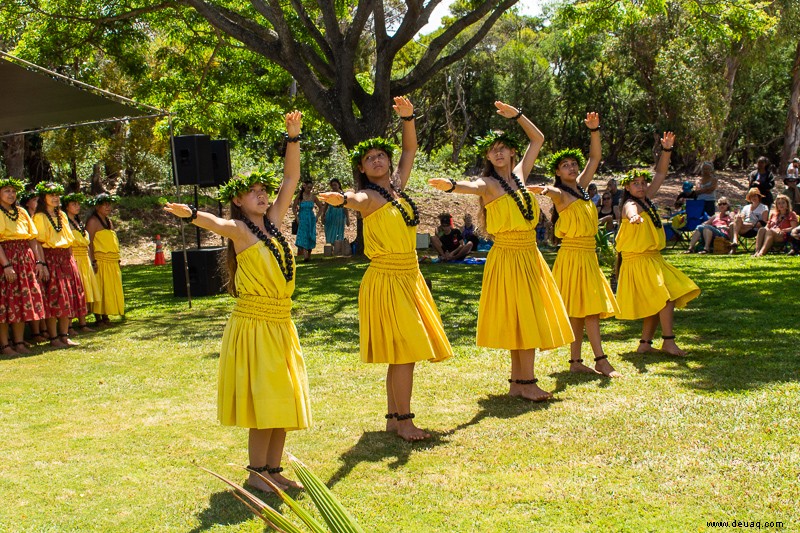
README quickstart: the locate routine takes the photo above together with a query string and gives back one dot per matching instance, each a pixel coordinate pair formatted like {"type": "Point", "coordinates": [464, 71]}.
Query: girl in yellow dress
{"type": "Point", "coordinates": [22, 263]}
{"type": "Point", "coordinates": [82, 253]}
{"type": "Point", "coordinates": [520, 307]}
{"type": "Point", "coordinates": [649, 288]}
{"type": "Point", "coordinates": [110, 299]}
{"type": "Point", "coordinates": [398, 320]}
{"type": "Point", "coordinates": [63, 293]}
{"type": "Point", "coordinates": [586, 293]}
{"type": "Point", "coordinates": [262, 382]}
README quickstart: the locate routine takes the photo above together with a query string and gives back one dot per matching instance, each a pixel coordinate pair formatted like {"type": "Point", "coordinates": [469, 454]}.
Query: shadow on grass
{"type": "Point", "coordinates": [225, 510]}
{"type": "Point", "coordinates": [566, 378]}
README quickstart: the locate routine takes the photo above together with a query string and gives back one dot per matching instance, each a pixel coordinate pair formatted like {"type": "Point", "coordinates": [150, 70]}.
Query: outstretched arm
{"type": "Point", "coordinates": [554, 193]}
{"type": "Point", "coordinates": [359, 201]}
{"type": "Point", "coordinates": [535, 136]}
{"type": "Point", "coordinates": [462, 187]}
{"type": "Point", "coordinates": [220, 226]}
{"type": "Point", "coordinates": [595, 150]}
{"type": "Point", "coordinates": [404, 109]}
{"type": "Point", "coordinates": [291, 170]}
{"type": "Point", "coordinates": [667, 142]}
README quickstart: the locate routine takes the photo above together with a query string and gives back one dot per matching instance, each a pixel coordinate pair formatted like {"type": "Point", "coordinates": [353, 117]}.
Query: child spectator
{"type": "Point", "coordinates": [448, 241]}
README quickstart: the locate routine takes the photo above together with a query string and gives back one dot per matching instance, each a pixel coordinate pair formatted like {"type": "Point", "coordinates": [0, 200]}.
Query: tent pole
{"type": "Point", "coordinates": [178, 199]}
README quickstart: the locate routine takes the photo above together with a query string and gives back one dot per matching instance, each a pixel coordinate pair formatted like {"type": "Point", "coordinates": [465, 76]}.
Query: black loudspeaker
{"type": "Point", "coordinates": [221, 161]}
{"type": "Point", "coordinates": [205, 276]}
{"type": "Point", "coordinates": [193, 164]}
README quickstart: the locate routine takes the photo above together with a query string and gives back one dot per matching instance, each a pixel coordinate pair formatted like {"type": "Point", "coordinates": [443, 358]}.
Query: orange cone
{"type": "Point", "coordinates": [159, 252]}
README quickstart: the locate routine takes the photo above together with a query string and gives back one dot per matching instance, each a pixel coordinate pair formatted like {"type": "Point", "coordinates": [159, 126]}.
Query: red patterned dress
{"type": "Point", "coordinates": [20, 300]}
{"type": "Point", "coordinates": [63, 291]}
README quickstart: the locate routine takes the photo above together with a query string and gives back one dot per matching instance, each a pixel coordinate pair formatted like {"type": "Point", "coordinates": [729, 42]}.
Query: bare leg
{"type": "Point", "coordinates": [693, 241]}
{"type": "Point", "coordinates": [7, 349]}
{"type": "Point", "coordinates": [666, 316]}
{"type": "Point", "coordinates": [437, 245]}
{"type": "Point", "coordinates": [63, 331]}
{"type": "Point", "coordinates": [461, 252]}
{"type": "Point", "coordinates": [649, 325]}
{"type": "Point", "coordinates": [522, 369]}
{"type": "Point", "coordinates": [708, 239]}
{"type": "Point", "coordinates": [760, 238]}
{"type": "Point", "coordinates": [52, 331]}
{"type": "Point", "coordinates": [402, 385]}
{"type": "Point", "coordinates": [576, 362]}
{"type": "Point", "coordinates": [274, 456]}
{"type": "Point", "coordinates": [18, 330]}
{"type": "Point", "coordinates": [593, 332]}
{"type": "Point", "coordinates": [258, 445]}
{"type": "Point", "coordinates": [391, 407]}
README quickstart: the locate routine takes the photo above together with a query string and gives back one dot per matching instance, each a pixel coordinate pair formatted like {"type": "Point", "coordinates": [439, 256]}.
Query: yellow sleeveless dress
{"type": "Point", "coordinates": [109, 300]}
{"type": "Point", "coordinates": [583, 286]}
{"type": "Point", "coordinates": [80, 249]}
{"type": "Point", "coordinates": [262, 380]}
{"type": "Point", "coordinates": [520, 306]}
{"type": "Point", "coordinates": [646, 282]}
{"type": "Point", "coordinates": [398, 319]}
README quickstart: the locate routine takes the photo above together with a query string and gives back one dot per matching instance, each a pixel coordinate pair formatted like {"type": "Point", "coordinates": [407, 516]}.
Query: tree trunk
{"type": "Point", "coordinates": [14, 156]}
{"type": "Point", "coordinates": [791, 138]}
{"type": "Point", "coordinates": [74, 184]}
{"type": "Point", "coordinates": [39, 168]}
{"type": "Point", "coordinates": [97, 179]}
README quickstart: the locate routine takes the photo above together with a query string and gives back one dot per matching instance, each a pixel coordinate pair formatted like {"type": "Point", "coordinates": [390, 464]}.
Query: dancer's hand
{"type": "Point", "coordinates": [179, 210]}
{"type": "Point", "coordinates": [592, 120]}
{"type": "Point", "coordinates": [636, 219]}
{"type": "Point", "coordinates": [668, 140]}
{"type": "Point", "coordinates": [537, 189]}
{"type": "Point", "coordinates": [403, 106]}
{"type": "Point", "coordinates": [335, 199]}
{"type": "Point", "coordinates": [440, 184]}
{"type": "Point", "coordinates": [42, 272]}
{"type": "Point", "coordinates": [294, 123]}
{"type": "Point", "coordinates": [506, 110]}
{"type": "Point", "coordinates": [10, 274]}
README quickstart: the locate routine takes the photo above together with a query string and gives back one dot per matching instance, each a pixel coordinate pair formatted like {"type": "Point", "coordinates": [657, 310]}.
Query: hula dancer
{"type": "Point", "coordinates": [398, 320]}
{"type": "Point", "coordinates": [584, 289]}
{"type": "Point", "coordinates": [64, 297]}
{"type": "Point", "coordinates": [82, 252]}
{"type": "Point", "coordinates": [103, 240]}
{"type": "Point", "coordinates": [22, 261]}
{"type": "Point", "coordinates": [262, 378]}
{"type": "Point", "coordinates": [649, 287]}
{"type": "Point", "coordinates": [520, 307]}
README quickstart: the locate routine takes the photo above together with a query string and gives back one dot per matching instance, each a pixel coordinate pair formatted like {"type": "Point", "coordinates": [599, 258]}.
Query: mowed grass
{"type": "Point", "coordinates": [107, 436]}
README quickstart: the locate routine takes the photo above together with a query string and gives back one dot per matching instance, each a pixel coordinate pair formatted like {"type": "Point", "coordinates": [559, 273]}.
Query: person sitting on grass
{"type": "Point", "coordinates": [781, 222]}
{"type": "Point", "coordinates": [749, 220]}
{"type": "Point", "coordinates": [469, 233]}
{"type": "Point", "coordinates": [447, 241]}
{"type": "Point", "coordinates": [717, 226]}
{"type": "Point", "coordinates": [262, 381]}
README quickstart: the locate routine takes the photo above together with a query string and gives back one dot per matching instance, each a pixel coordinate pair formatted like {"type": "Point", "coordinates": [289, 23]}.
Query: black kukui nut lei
{"type": "Point", "coordinates": [527, 209]}
{"type": "Point", "coordinates": [580, 194]}
{"type": "Point", "coordinates": [650, 209]}
{"type": "Point", "coordinates": [410, 222]}
{"type": "Point", "coordinates": [58, 225]}
{"type": "Point", "coordinates": [12, 214]}
{"type": "Point", "coordinates": [286, 264]}
{"type": "Point", "coordinates": [105, 224]}
{"type": "Point", "coordinates": [77, 225]}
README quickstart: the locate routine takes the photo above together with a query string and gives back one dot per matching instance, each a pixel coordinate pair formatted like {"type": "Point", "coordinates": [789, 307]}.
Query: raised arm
{"type": "Point", "coordinates": [291, 169]}
{"type": "Point", "coordinates": [595, 150]}
{"type": "Point", "coordinates": [667, 143]}
{"type": "Point", "coordinates": [535, 137]}
{"type": "Point", "coordinates": [405, 110]}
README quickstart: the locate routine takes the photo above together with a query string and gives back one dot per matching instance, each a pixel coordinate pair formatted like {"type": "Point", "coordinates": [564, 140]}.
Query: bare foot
{"type": "Point", "coordinates": [290, 483]}
{"type": "Point", "coordinates": [257, 483]}
{"type": "Point", "coordinates": [69, 342]}
{"type": "Point", "coordinates": [38, 338]}
{"type": "Point", "coordinates": [8, 350]}
{"type": "Point", "coordinates": [530, 392]}
{"type": "Point", "coordinates": [84, 328]}
{"type": "Point", "coordinates": [407, 431]}
{"type": "Point", "coordinates": [55, 343]}
{"type": "Point", "coordinates": [72, 331]}
{"type": "Point", "coordinates": [645, 347]}
{"type": "Point", "coordinates": [580, 368]}
{"type": "Point", "coordinates": [20, 347]}
{"type": "Point", "coordinates": [391, 425]}
{"type": "Point", "coordinates": [671, 348]}
{"type": "Point", "coordinates": [605, 368]}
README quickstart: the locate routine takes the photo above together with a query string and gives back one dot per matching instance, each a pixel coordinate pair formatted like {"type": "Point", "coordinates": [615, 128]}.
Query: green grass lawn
{"type": "Point", "coordinates": [105, 437]}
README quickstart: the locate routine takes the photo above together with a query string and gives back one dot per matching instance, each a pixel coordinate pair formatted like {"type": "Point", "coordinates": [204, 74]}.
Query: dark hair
{"type": "Point", "coordinates": [335, 180]}
{"type": "Point", "coordinates": [446, 219]}
{"type": "Point", "coordinates": [230, 265]}
{"type": "Point", "coordinates": [360, 179]}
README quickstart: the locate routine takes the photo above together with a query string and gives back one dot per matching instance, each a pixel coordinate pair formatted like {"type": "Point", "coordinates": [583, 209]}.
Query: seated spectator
{"type": "Point", "coordinates": [687, 191]}
{"type": "Point", "coordinates": [794, 168]}
{"type": "Point", "coordinates": [792, 192]}
{"type": "Point", "coordinates": [616, 194]}
{"type": "Point", "coordinates": [447, 241]}
{"type": "Point", "coordinates": [593, 194]}
{"type": "Point", "coordinates": [794, 241]}
{"type": "Point", "coordinates": [468, 232]}
{"type": "Point", "coordinates": [607, 213]}
{"type": "Point", "coordinates": [707, 187]}
{"type": "Point", "coordinates": [763, 179]}
{"type": "Point", "coordinates": [749, 220]}
{"type": "Point", "coordinates": [717, 226]}
{"type": "Point", "coordinates": [781, 222]}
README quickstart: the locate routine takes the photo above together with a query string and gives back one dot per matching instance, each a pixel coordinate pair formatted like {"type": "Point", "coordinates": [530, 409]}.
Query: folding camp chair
{"type": "Point", "coordinates": [695, 215]}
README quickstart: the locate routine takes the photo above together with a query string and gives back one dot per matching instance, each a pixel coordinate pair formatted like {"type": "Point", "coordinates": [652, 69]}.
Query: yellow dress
{"type": "Point", "coordinates": [398, 320]}
{"type": "Point", "coordinates": [520, 306]}
{"type": "Point", "coordinates": [262, 380]}
{"type": "Point", "coordinates": [80, 249]}
{"type": "Point", "coordinates": [646, 282]}
{"type": "Point", "coordinates": [109, 300]}
{"type": "Point", "coordinates": [583, 286]}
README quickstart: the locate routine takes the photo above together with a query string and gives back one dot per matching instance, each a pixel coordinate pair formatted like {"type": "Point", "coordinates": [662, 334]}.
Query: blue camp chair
{"type": "Point", "coordinates": [695, 215]}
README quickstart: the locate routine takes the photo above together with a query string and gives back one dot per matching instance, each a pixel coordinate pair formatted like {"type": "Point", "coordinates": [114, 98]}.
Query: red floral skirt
{"type": "Point", "coordinates": [20, 300]}
{"type": "Point", "coordinates": [63, 292]}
